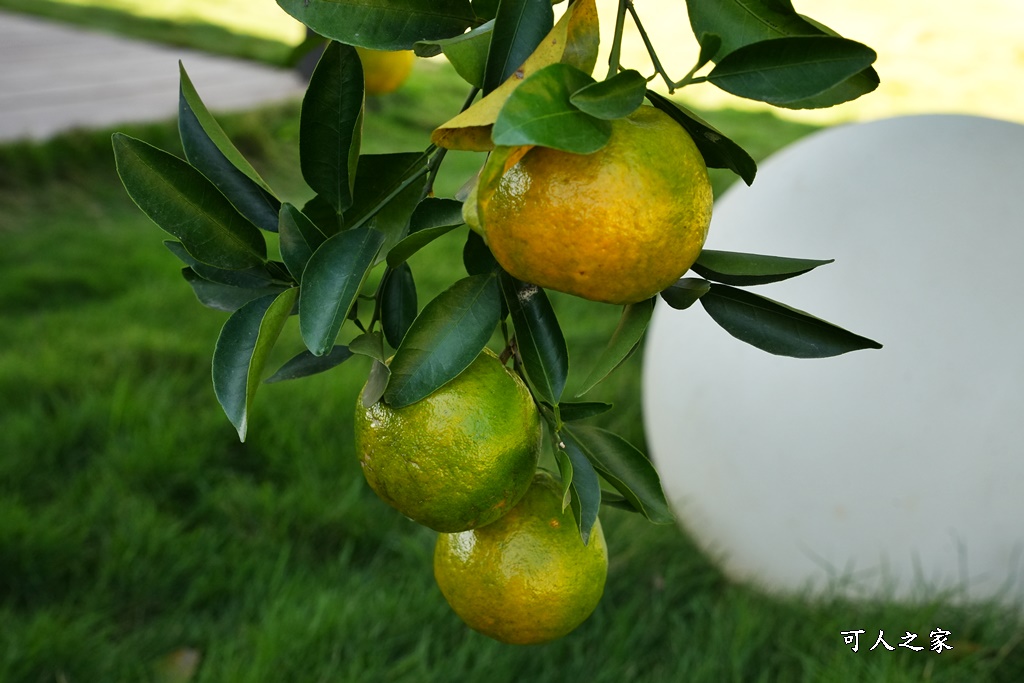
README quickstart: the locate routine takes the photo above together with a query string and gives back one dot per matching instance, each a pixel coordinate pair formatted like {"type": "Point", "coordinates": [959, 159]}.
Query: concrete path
{"type": "Point", "coordinates": [55, 78]}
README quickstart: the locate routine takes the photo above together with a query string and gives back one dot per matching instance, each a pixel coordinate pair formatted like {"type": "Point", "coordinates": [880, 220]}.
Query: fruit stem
{"type": "Point", "coordinates": [658, 68]}
{"type": "Point", "coordinates": [620, 21]}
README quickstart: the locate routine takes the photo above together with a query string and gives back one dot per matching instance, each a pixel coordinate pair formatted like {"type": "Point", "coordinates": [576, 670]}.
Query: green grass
{"type": "Point", "coordinates": [133, 523]}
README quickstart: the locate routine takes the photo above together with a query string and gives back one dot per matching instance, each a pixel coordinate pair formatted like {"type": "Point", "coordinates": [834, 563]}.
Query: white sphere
{"type": "Point", "coordinates": [894, 473]}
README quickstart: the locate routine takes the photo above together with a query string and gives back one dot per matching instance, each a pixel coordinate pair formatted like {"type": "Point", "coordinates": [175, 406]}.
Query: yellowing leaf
{"type": "Point", "coordinates": [573, 40]}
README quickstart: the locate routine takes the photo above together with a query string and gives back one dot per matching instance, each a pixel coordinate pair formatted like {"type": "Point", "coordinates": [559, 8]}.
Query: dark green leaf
{"type": "Point", "coordinates": [737, 268]}
{"type": "Point", "coordinates": [710, 44]}
{"type": "Point", "coordinates": [180, 199]}
{"type": "Point", "coordinates": [330, 283]}
{"type": "Point", "coordinates": [742, 22]}
{"type": "Point", "coordinates": [785, 70]}
{"type": "Point", "coordinates": [565, 474]}
{"type": "Point", "coordinates": [241, 352]}
{"type": "Point", "coordinates": [370, 344]}
{"type": "Point", "coordinates": [382, 24]}
{"type": "Point", "coordinates": [376, 383]}
{"type": "Point", "coordinates": [519, 26]}
{"type": "Point", "coordinates": [617, 501]}
{"type": "Point", "coordinates": [777, 328]}
{"type": "Point", "coordinates": [306, 364]}
{"type": "Point", "coordinates": [585, 488]}
{"type": "Point", "coordinates": [467, 52]}
{"type": "Point", "coordinates": [538, 336]}
{"type": "Point", "coordinates": [388, 188]}
{"type": "Point", "coordinates": [615, 98]}
{"type": "Point", "coordinates": [625, 468]}
{"type": "Point", "coordinates": [445, 338]}
{"type": "Point", "coordinates": [485, 9]}
{"type": "Point", "coordinates": [718, 151]}
{"type": "Point", "coordinates": [539, 112]}
{"type": "Point", "coordinates": [624, 341]}
{"type": "Point", "coordinates": [685, 292]}
{"type": "Point", "coordinates": [223, 297]}
{"type": "Point", "coordinates": [323, 215]}
{"type": "Point", "coordinates": [398, 306]}
{"type": "Point", "coordinates": [476, 257]}
{"type": "Point", "coordinates": [246, 278]}
{"type": "Point", "coordinates": [572, 412]}
{"type": "Point", "coordinates": [210, 151]}
{"type": "Point", "coordinates": [330, 125]}
{"type": "Point", "coordinates": [299, 239]}
{"type": "Point", "coordinates": [432, 218]}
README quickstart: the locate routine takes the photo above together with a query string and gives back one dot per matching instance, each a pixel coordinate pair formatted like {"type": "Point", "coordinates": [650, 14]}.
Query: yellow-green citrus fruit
{"type": "Point", "coordinates": [384, 71]}
{"type": "Point", "coordinates": [526, 578]}
{"type": "Point", "coordinates": [461, 457]}
{"type": "Point", "coordinates": [618, 225]}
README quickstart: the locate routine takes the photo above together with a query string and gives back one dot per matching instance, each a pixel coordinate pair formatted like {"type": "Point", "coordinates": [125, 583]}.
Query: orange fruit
{"type": "Point", "coordinates": [384, 71]}
{"type": "Point", "coordinates": [617, 226]}
{"type": "Point", "coordinates": [461, 457]}
{"type": "Point", "coordinates": [526, 578]}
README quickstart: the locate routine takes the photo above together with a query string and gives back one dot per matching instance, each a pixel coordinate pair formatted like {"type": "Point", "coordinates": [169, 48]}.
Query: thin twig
{"type": "Point", "coordinates": [659, 69]}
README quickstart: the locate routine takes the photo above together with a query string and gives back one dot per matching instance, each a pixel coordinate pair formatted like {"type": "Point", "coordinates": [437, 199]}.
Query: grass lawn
{"type": "Point", "coordinates": [135, 530]}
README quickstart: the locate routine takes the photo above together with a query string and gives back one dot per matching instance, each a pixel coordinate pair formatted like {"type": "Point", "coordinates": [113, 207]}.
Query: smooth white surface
{"type": "Point", "coordinates": [896, 472]}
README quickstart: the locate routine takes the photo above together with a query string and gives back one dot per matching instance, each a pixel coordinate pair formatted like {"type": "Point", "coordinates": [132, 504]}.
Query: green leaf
{"type": "Point", "coordinates": [615, 98]}
{"type": "Point", "coordinates": [585, 488]}
{"type": "Point", "coordinates": [398, 303]}
{"type": "Point", "coordinates": [718, 151]}
{"type": "Point", "coordinates": [623, 342]}
{"type": "Point", "coordinates": [376, 383]}
{"type": "Point", "coordinates": [565, 474]}
{"type": "Point", "coordinates": [323, 215]}
{"type": "Point", "coordinates": [710, 44]}
{"type": "Point", "coordinates": [539, 112]}
{"type": "Point", "coordinates": [241, 352]}
{"type": "Point", "coordinates": [538, 336]}
{"type": "Point", "coordinates": [370, 344]}
{"type": "Point", "coordinates": [388, 188]}
{"type": "Point", "coordinates": [299, 239]}
{"type": "Point", "coordinates": [445, 338]}
{"type": "Point", "coordinates": [572, 412]}
{"type": "Point", "coordinates": [785, 70]}
{"type": "Point", "coordinates": [467, 53]}
{"type": "Point", "coordinates": [625, 468]}
{"type": "Point", "coordinates": [486, 9]}
{"type": "Point", "coordinates": [382, 24]}
{"type": "Point", "coordinates": [245, 278]}
{"type": "Point", "coordinates": [519, 27]}
{"type": "Point", "coordinates": [180, 199]}
{"type": "Point", "coordinates": [477, 257]}
{"type": "Point", "coordinates": [330, 283]}
{"type": "Point", "coordinates": [777, 328]}
{"type": "Point", "coordinates": [742, 22]}
{"type": "Point", "coordinates": [432, 218]}
{"type": "Point", "coordinates": [221, 297]}
{"type": "Point", "coordinates": [306, 364]}
{"type": "Point", "coordinates": [741, 269]}
{"type": "Point", "coordinates": [330, 125]}
{"type": "Point", "coordinates": [210, 151]}
{"type": "Point", "coordinates": [684, 292]}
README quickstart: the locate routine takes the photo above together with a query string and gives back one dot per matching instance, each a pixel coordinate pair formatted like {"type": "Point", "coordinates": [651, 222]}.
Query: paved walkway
{"type": "Point", "coordinates": [55, 78]}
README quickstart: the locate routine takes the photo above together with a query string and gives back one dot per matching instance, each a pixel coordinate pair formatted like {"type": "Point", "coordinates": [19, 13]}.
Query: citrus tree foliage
{"type": "Point", "coordinates": [530, 82]}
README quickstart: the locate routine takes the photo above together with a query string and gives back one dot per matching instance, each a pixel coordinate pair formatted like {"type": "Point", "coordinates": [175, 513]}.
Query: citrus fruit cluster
{"type": "Point", "coordinates": [463, 461]}
{"type": "Point", "coordinates": [618, 226]}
